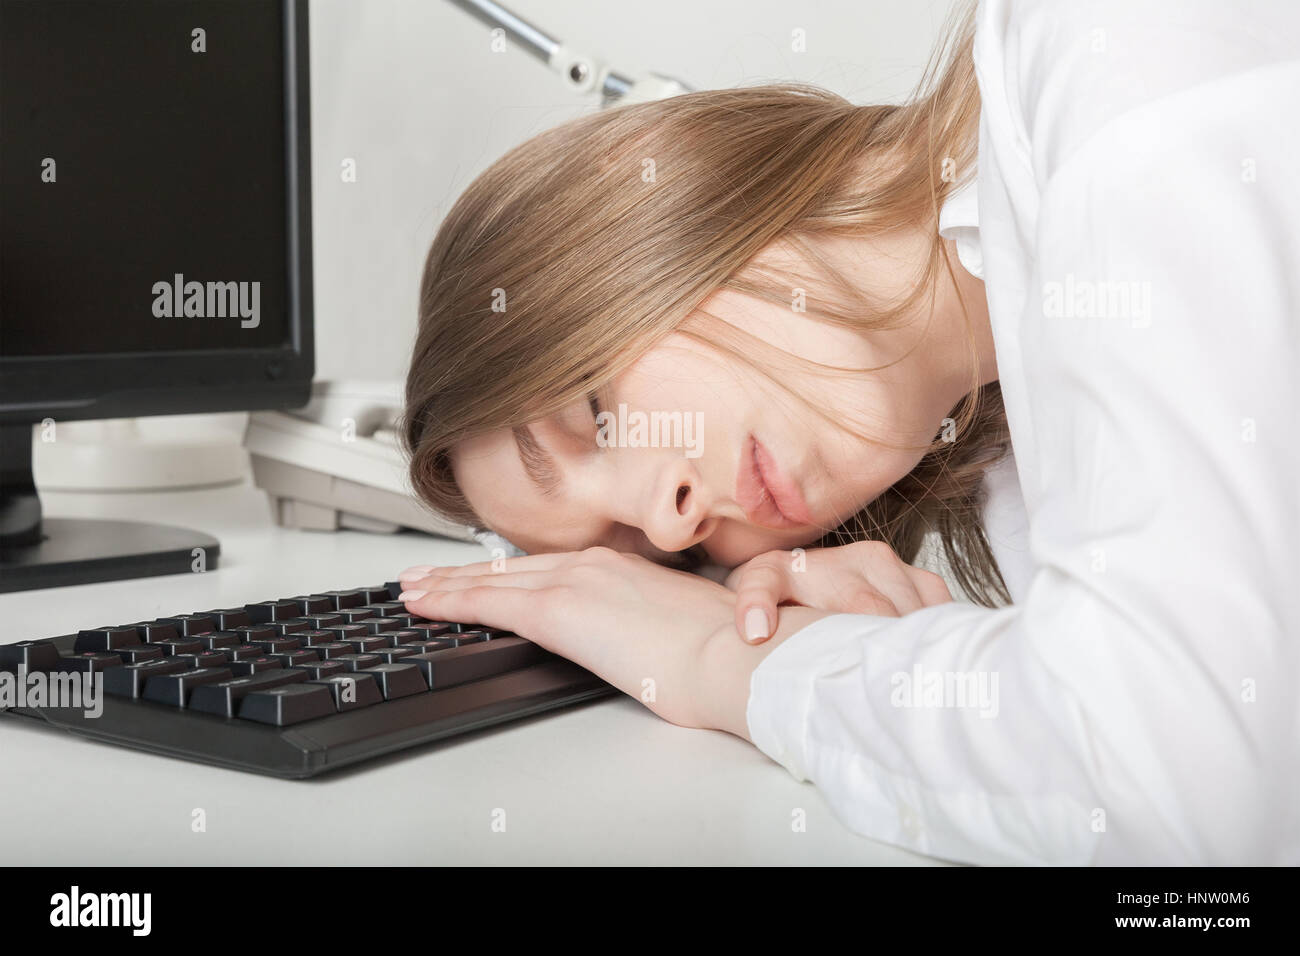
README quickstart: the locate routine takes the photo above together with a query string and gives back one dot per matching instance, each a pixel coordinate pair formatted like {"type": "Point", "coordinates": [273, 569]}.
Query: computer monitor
{"type": "Point", "coordinates": [155, 243]}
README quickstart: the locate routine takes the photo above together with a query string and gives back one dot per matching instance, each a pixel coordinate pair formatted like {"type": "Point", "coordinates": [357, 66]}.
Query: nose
{"type": "Point", "coordinates": [677, 513]}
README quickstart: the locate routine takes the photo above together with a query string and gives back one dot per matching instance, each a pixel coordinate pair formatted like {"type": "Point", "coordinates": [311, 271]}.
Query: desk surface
{"type": "Point", "coordinates": [604, 782]}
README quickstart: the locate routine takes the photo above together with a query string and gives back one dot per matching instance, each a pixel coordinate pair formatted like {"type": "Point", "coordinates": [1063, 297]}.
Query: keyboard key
{"type": "Point", "coordinates": [458, 665]}
{"type": "Point", "coordinates": [285, 706]}
{"type": "Point", "coordinates": [292, 626]}
{"type": "Point", "coordinates": [454, 639]}
{"type": "Point", "coordinates": [388, 608]}
{"type": "Point", "coordinates": [323, 620]}
{"type": "Point", "coordinates": [410, 620]}
{"type": "Point", "coordinates": [309, 604]}
{"type": "Point", "coordinates": [243, 652]}
{"type": "Point", "coordinates": [358, 662]}
{"type": "Point", "coordinates": [425, 647]}
{"type": "Point", "coordinates": [166, 650]}
{"type": "Point", "coordinates": [351, 690]}
{"type": "Point", "coordinates": [223, 697]}
{"type": "Point", "coordinates": [431, 628]}
{"type": "Point", "coordinates": [152, 632]}
{"type": "Point", "coordinates": [256, 632]}
{"type": "Point", "coordinates": [277, 645]}
{"type": "Point", "coordinates": [312, 638]}
{"type": "Point", "coordinates": [229, 618]}
{"type": "Point", "coordinates": [175, 688]}
{"type": "Point", "coordinates": [332, 650]}
{"type": "Point", "coordinates": [345, 599]}
{"type": "Point", "coordinates": [204, 659]}
{"type": "Point", "coordinates": [293, 658]}
{"type": "Point", "coordinates": [177, 645]}
{"type": "Point", "coordinates": [129, 679]}
{"type": "Point", "coordinates": [392, 655]}
{"type": "Point", "coordinates": [377, 593]}
{"type": "Point", "coordinates": [367, 644]}
{"type": "Point", "coordinates": [30, 655]}
{"type": "Point", "coordinates": [354, 615]}
{"type": "Point", "coordinates": [106, 639]}
{"type": "Point", "coordinates": [319, 669]}
{"type": "Point", "coordinates": [394, 588]}
{"type": "Point", "coordinates": [89, 662]}
{"type": "Point", "coordinates": [255, 665]}
{"type": "Point", "coordinates": [381, 625]}
{"type": "Point", "coordinates": [139, 653]}
{"type": "Point", "coordinates": [398, 680]}
{"type": "Point", "coordinates": [344, 631]}
{"type": "Point", "coordinates": [216, 640]}
{"type": "Point", "coordinates": [265, 612]}
{"type": "Point", "coordinates": [187, 625]}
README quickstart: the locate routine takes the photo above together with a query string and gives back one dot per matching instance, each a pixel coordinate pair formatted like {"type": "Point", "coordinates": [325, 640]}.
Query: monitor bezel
{"type": "Point", "coordinates": [72, 387]}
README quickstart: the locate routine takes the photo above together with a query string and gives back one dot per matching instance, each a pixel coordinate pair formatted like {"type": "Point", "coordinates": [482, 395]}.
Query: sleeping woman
{"type": "Point", "coordinates": [770, 330]}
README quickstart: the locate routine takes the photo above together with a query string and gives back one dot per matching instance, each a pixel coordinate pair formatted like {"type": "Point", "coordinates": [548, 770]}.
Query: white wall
{"type": "Point", "coordinates": [412, 92]}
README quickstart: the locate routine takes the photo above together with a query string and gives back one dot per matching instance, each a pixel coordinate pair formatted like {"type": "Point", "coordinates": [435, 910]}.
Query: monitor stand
{"type": "Point", "coordinates": [38, 552]}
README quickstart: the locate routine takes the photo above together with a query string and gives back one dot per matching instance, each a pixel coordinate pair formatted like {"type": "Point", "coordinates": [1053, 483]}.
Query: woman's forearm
{"type": "Point", "coordinates": [727, 664]}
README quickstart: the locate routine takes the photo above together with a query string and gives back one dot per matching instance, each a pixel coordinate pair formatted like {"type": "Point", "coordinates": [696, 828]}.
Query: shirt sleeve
{"type": "Point", "coordinates": [1006, 526]}
{"type": "Point", "coordinates": [1138, 705]}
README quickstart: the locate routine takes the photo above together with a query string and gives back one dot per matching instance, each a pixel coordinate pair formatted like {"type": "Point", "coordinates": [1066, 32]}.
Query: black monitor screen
{"type": "Point", "coordinates": [142, 176]}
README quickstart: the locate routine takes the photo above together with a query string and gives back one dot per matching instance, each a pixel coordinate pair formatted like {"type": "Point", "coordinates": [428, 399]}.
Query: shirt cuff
{"type": "Point", "coordinates": [780, 690]}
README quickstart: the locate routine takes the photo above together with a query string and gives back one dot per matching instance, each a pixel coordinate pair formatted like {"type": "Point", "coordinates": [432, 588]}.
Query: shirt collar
{"type": "Point", "coordinates": [959, 220]}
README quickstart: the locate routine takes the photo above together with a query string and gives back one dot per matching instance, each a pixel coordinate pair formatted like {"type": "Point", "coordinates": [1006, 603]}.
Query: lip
{"type": "Point", "coordinates": [769, 498]}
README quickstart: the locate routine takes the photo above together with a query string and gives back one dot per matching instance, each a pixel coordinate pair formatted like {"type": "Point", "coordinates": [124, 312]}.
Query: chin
{"type": "Point", "coordinates": [735, 544]}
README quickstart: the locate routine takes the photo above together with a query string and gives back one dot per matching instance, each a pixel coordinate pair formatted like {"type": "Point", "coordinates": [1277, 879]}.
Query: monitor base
{"type": "Point", "coordinates": [40, 552]}
{"type": "Point", "coordinates": [87, 550]}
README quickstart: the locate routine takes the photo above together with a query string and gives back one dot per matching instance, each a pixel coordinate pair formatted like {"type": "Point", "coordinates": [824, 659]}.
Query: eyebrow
{"type": "Point", "coordinates": [538, 464]}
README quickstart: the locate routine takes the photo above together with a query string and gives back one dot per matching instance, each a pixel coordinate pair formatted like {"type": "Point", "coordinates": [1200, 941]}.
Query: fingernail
{"type": "Point", "coordinates": [419, 571]}
{"type": "Point", "coordinates": [756, 626]}
{"type": "Point", "coordinates": [411, 595]}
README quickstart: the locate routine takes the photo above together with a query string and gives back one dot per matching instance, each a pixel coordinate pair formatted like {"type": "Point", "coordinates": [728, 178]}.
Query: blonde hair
{"type": "Point", "coordinates": [628, 261]}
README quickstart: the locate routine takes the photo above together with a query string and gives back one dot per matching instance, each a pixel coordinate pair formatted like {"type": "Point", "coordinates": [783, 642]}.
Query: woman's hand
{"type": "Point", "coordinates": [866, 577]}
{"type": "Point", "coordinates": [662, 636]}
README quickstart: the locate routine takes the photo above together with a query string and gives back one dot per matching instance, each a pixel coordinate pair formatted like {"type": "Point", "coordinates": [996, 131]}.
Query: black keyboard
{"type": "Point", "coordinates": [295, 687]}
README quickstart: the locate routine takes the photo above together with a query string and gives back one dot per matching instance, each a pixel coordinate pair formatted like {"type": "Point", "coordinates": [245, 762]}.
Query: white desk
{"type": "Point", "coordinates": [605, 782]}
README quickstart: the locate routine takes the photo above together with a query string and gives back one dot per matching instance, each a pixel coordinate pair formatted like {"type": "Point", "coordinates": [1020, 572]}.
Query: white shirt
{"type": "Point", "coordinates": [1006, 524]}
{"type": "Point", "coordinates": [1146, 707]}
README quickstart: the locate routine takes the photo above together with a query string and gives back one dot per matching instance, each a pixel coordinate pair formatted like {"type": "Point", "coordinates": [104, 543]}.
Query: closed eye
{"type": "Point", "coordinates": [538, 464]}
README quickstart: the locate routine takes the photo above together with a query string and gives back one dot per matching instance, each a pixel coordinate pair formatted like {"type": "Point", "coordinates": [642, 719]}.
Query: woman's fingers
{"type": "Point", "coordinates": [760, 586]}
{"type": "Point", "coordinates": [526, 562]}
{"type": "Point", "coordinates": [932, 588]}
{"type": "Point", "coordinates": [863, 578]}
{"type": "Point", "coordinates": [885, 574]}
{"type": "Point", "coordinates": [509, 608]}
{"type": "Point", "coordinates": [415, 572]}
{"type": "Point", "coordinates": [529, 580]}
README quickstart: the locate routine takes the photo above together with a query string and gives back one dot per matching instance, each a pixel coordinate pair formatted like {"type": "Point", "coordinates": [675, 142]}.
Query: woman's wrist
{"type": "Point", "coordinates": [727, 664]}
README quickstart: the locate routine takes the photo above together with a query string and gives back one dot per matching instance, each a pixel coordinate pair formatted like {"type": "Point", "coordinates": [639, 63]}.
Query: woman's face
{"type": "Point", "coordinates": [694, 447]}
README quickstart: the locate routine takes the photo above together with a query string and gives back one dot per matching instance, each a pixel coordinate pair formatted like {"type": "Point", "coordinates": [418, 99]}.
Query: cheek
{"type": "Point", "coordinates": [683, 374]}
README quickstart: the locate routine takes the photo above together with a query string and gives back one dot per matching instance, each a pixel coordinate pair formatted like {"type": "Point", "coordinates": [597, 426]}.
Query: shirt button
{"type": "Point", "coordinates": [909, 821]}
